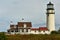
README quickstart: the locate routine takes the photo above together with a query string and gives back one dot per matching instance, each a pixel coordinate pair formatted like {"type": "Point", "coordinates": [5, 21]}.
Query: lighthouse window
{"type": "Point", "coordinates": [49, 6]}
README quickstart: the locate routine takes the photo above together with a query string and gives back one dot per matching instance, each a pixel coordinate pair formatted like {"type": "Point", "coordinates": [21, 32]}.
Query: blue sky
{"type": "Point", "coordinates": [30, 10]}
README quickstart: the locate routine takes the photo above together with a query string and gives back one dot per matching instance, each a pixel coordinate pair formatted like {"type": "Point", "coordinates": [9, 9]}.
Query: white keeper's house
{"type": "Point", "coordinates": [26, 27]}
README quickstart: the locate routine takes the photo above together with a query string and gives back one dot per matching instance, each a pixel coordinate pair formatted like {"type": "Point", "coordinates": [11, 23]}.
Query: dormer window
{"type": "Point", "coordinates": [14, 26]}
{"type": "Point", "coordinates": [24, 25]}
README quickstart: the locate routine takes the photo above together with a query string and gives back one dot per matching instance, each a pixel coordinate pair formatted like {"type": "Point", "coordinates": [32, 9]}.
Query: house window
{"type": "Point", "coordinates": [20, 30]}
{"type": "Point", "coordinates": [28, 30]}
{"type": "Point", "coordinates": [16, 30]}
{"type": "Point", "coordinates": [12, 31]}
{"type": "Point", "coordinates": [24, 25]}
{"type": "Point", "coordinates": [15, 26]}
{"type": "Point", "coordinates": [18, 27]}
{"type": "Point", "coordinates": [24, 30]}
{"type": "Point", "coordinates": [35, 30]}
{"type": "Point", "coordinates": [43, 31]}
{"type": "Point", "coordinates": [39, 30]}
{"type": "Point", "coordinates": [8, 31]}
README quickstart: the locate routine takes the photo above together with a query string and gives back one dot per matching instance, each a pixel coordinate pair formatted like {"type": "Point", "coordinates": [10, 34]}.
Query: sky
{"type": "Point", "coordinates": [31, 10]}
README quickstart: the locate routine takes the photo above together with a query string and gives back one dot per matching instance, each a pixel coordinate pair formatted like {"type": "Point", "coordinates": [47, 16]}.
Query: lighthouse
{"type": "Point", "coordinates": [50, 17]}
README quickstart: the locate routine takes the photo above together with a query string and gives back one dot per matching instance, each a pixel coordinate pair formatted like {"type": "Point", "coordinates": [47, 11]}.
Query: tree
{"type": "Point", "coordinates": [59, 31]}
{"type": "Point", "coordinates": [54, 32]}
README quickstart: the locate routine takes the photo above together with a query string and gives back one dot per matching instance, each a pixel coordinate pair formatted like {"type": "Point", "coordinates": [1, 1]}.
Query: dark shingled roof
{"type": "Point", "coordinates": [21, 24]}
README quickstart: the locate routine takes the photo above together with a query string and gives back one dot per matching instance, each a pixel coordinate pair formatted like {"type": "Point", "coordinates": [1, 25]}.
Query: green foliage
{"type": "Point", "coordinates": [2, 36]}
{"type": "Point", "coordinates": [34, 37]}
{"type": "Point", "coordinates": [54, 32]}
{"type": "Point", "coordinates": [30, 37]}
{"type": "Point", "coordinates": [59, 31]}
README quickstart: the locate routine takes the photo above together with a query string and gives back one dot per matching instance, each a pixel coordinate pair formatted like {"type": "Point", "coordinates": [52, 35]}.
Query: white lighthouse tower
{"type": "Point", "coordinates": [50, 17]}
